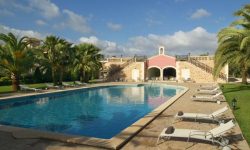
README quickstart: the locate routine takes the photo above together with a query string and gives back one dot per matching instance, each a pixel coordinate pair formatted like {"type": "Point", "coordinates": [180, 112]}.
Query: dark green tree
{"type": "Point", "coordinates": [234, 44]}
{"type": "Point", "coordinates": [15, 57]}
{"type": "Point", "coordinates": [87, 59]}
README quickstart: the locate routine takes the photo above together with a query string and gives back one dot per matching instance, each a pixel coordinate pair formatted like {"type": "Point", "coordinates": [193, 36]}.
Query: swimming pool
{"type": "Point", "coordinates": [100, 112]}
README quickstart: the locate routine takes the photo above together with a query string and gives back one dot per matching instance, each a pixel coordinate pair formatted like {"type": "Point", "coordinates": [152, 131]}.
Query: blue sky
{"type": "Point", "coordinates": [125, 27]}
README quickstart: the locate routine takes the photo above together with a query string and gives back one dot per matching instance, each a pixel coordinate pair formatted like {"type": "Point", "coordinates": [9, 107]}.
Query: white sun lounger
{"type": "Point", "coordinates": [26, 88]}
{"type": "Point", "coordinates": [80, 83]}
{"type": "Point", "coordinates": [49, 85]}
{"type": "Point", "coordinates": [211, 98]}
{"type": "Point", "coordinates": [199, 116]}
{"type": "Point", "coordinates": [208, 87]}
{"type": "Point", "coordinates": [208, 91]}
{"type": "Point", "coordinates": [67, 85]}
{"type": "Point", "coordinates": [214, 135]}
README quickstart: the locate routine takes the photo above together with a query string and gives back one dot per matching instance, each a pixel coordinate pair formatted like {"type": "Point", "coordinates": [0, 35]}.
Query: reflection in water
{"type": "Point", "coordinates": [153, 95]}
{"type": "Point", "coordinates": [153, 91]}
{"type": "Point", "coordinates": [160, 95]}
{"type": "Point", "coordinates": [96, 112]}
{"type": "Point", "coordinates": [122, 95]}
{"type": "Point", "coordinates": [42, 101]}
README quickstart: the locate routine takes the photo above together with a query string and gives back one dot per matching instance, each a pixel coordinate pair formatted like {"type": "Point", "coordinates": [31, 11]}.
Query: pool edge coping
{"type": "Point", "coordinates": [140, 124]}
{"type": "Point", "coordinates": [115, 142]}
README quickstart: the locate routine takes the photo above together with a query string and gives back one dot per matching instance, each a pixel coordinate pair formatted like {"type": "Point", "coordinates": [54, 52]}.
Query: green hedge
{"type": "Point", "coordinates": [5, 81]}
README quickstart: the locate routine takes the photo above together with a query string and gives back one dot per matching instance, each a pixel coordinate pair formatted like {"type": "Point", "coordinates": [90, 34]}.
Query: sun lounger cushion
{"type": "Point", "coordinates": [170, 130]}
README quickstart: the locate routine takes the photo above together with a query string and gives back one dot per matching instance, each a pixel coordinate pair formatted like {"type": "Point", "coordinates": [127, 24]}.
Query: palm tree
{"type": "Point", "coordinates": [234, 44]}
{"type": "Point", "coordinates": [55, 55]}
{"type": "Point", "coordinates": [50, 55]}
{"type": "Point", "coordinates": [65, 58]}
{"type": "Point", "coordinates": [115, 73]}
{"type": "Point", "coordinates": [87, 59]}
{"type": "Point", "coordinates": [244, 21]}
{"type": "Point", "coordinates": [15, 57]}
{"type": "Point", "coordinates": [233, 47]}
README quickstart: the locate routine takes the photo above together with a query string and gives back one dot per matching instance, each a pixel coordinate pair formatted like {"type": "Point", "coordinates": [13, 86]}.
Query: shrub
{"type": "Point", "coordinates": [5, 81]}
{"type": "Point", "coordinates": [115, 73]}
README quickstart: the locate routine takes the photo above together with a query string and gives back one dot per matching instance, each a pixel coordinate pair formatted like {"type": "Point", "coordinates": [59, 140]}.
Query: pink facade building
{"type": "Point", "coordinates": [161, 66]}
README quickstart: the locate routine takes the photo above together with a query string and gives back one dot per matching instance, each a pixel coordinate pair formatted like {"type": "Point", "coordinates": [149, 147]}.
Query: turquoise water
{"type": "Point", "coordinates": [99, 112]}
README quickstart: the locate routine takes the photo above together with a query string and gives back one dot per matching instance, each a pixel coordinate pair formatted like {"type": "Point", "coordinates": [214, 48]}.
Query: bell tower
{"type": "Point", "coordinates": [161, 50]}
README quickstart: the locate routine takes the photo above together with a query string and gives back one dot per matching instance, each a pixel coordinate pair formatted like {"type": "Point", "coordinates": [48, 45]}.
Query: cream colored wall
{"type": "Point", "coordinates": [128, 69]}
{"type": "Point", "coordinates": [107, 64]}
{"type": "Point", "coordinates": [209, 60]}
{"type": "Point", "coordinates": [114, 61]}
{"type": "Point", "coordinates": [196, 74]}
{"type": "Point", "coordinates": [136, 65]}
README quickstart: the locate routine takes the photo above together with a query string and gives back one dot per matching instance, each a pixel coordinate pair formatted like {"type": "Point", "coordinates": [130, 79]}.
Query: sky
{"type": "Point", "coordinates": [124, 27]}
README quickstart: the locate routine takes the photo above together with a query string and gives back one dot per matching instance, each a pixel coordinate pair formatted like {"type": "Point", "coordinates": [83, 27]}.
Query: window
{"type": "Point", "coordinates": [161, 51]}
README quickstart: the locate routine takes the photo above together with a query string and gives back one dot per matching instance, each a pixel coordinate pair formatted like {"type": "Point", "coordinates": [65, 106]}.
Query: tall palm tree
{"type": "Point", "coordinates": [65, 58]}
{"type": "Point", "coordinates": [50, 55]}
{"type": "Point", "coordinates": [234, 44]}
{"type": "Point", "coordinates": [244, 21]}
{"type": "Point", "coordinates": [15, 57]}
{"type": "Point", "coordinates": [234, 47]}
{"type": "Point", "coordinates": [55, 55]}
{"type": "Point", "coordinates": [87, 59]}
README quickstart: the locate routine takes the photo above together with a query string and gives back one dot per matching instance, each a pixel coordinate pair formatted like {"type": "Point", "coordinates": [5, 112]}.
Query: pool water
{"type": "Point", "coordinates": [100, 112]}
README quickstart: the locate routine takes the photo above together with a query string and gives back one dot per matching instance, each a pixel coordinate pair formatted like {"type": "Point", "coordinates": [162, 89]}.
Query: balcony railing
{"type": "Point", "coordinates": [206, 67]}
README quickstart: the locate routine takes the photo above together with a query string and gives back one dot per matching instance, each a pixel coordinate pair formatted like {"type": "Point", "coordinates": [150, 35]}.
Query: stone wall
{"type": "Point", "coordinates": [196, 74]}
{"type": "Point", "coordinates": [136, 65]}
{"type": "Point", "coordinates": [209, 60]}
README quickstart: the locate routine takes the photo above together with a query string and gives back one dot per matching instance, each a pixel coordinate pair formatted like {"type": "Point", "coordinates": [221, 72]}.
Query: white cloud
{"type": "Point", "coordinates": [114, 26]}
{"type": "Point", "coordinates": [91, 40]}
{"type": "Point", "coordinates": [41, 23]}
{"type": "Point", "coordinates": [108, 47]}
{"type": "Point", "coordinates": [196, 41]}
{"type": "Point", "coordinates": [20, 33]}
{"type": "Point", "coordinates": [152, 22]}
{"type": "Point", "coordinates": [46, 8]}
{"type": "Point", "coordinates": [65, 18]}
{"type": "Point", "coordinates": [200, 13]}
{"type": "Point", "coordinates": [75, 22]}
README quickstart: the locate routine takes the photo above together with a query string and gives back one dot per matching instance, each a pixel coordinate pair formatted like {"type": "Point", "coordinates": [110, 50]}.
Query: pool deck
{"type": "Point", "coordinates": [145, 139]}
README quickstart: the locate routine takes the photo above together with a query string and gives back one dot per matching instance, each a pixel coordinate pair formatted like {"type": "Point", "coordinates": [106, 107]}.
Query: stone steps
{"type": "Point", "coordinates": [196, 74]}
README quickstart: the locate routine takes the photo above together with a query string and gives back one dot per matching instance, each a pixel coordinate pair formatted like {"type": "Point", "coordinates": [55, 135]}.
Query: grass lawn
{"type": "Point", "coordinates": [242, 113]}
{"type": "Point", "coordinates": [5, 89]}
{"type": "Point", "coordinates": [8, 88]}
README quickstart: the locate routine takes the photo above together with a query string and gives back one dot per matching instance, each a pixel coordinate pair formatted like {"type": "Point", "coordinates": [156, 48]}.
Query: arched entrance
{"type": "Point", "coordinates": [153, 73]}
{"type": "Point", "coordinates": [169, 73]}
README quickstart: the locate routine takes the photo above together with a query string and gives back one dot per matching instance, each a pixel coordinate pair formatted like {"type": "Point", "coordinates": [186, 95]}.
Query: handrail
{"type": "Point", "coordinates": [128, 62]}
{"type": "Point", "coordinates": [181, 57]}
{"type": "Point", "coordinates": [206, 68]}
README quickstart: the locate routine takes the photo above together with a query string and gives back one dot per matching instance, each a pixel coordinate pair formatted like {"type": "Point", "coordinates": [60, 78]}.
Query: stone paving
{"type": "Point", "coordinates": [146, 139]}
